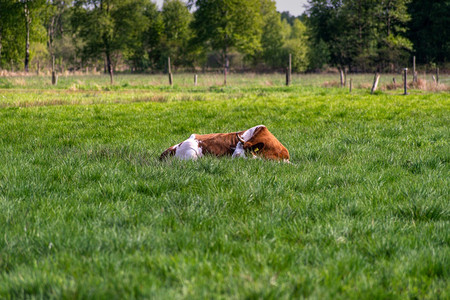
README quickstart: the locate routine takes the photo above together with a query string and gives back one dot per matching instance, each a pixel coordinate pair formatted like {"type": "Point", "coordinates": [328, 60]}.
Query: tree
{"type": "Point", "coordinates": [272, 39]}
{"type": "Point", "coordinates": [148, 52]}
{"type": "Point", "coordinates": [360, 34]}
{"type": "Point", "coordinates": [360, 22]}
{"type": "Point", "coordinates": [318, 55]}
{"type": "Point", "coordinates": [9, 15]}
{"type": "Point", "coordinates": [66, 44]}
{"type": "Point", "coordinates": [393, 46]}
{"type": "Point", "coordinates": [327, 23]}
{"type": "Point", "coordinates": [429, 30]}
{"type": "Point", "coordinates": [176, 19]}
{"type": "Point", "coordinates": [297, 45]}
{"type": "Point", "coordinates": [53, 22]}
{"type": "Point", "coordinates": [109, 27]}
{"type": "Point", "coordinates": [31, 9]}
{"type": "Point", "coordinates": [226, 24]}
{"type": "Point", "coordinates": [286, 16]}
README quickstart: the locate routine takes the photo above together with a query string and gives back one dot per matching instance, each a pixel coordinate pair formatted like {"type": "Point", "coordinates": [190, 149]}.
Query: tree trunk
{"type": "Point", "coordinates": [106, 43]}
{"type": "Point", "coordinates": [388, 10]}
{"type": "Point", "coordinates": [54, 79]}
{"type": "Point", "coordinates": [405, 83]}
{"type": "Point", "coordinates": [109, 66]}
{"type": "Point", "coordinates": [1, 35]}
{"type": "Point", "coordinates": [226, 65]}
{"type": "Point", "coordinates": [50, 48]}
{"type": "Point", "coordinates": [169, 71]}
{"type": "Point", "coordinates": [27, 42]}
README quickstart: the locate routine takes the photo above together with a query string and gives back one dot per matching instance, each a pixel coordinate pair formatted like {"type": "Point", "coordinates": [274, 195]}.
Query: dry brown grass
{"type": "Point", "coordinates": [421, 84]}
{"type": "Point", "coordinates": [392, 86]}
{"type": "Point", "coordinates": [66, 73]}
{"type": "Point", "coordinates": [6, 73]}
{"type": "Point", "coordinates": [331, 84]}
{"type": "Point", "coordinates": [431, 86]}
{"type": "Point", "coordinates": [365, 85]}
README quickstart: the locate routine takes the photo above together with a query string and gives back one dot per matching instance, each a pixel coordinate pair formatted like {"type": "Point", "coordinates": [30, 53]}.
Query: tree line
{"type": "Point", "coordinates": [137, 36]}
{"type": "Point", "coordinates": [382, 35]}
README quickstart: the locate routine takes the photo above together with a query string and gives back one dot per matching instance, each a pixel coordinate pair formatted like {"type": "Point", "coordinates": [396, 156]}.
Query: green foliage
{"type": "Point", "coordinates": [110, 27]}
{"type": "Point", "coordinates": [429, 30]}
{"type": "Point", "coordinates": [177, 33]}
{"type": "Point", "coordinates": [327, 25]}
{"type": "Point", "coordinates": [393, 47]}
{"type": "Point", "coordinates": [227, 24]}
{"type": "Point", "coordinates": [150, 54]}
{"type": "Point", "coordinates": [272, 35]}
{"type": "Point", "coordinates": [39, 52]}
{"type": "Point", "coordinates": [357, 35]}
{"type": "Point", "coordinates": [318, 55]}
{"type": "Point", "coordinates": [13, 31]}
{"type": "Point", "coordinates": [361, 35]}
{"type": "Point", "coordinates": [280, 38]}
{"type": "Point", "coordinates": [297, 45]}
{"type": "Point", "coordinates": [11, 36]}
{"type": "Point", "coordinates": [176, 18]}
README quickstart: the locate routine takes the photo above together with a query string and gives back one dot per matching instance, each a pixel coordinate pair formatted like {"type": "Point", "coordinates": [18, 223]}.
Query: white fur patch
{"type": "Point", "coordinates": [246, 136]}
{"type": "Point", "coordinates": [189, 149]}
{"type": "Point", "coordinates": [239, 151]}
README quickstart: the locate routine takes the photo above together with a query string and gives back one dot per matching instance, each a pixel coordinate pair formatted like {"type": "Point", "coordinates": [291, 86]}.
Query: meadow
{"type": "Point", "coordinates": [88, 210]}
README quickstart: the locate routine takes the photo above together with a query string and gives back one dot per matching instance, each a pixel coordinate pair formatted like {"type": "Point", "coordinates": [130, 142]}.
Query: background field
{"type": "Point", "coordinates": [88, 211]}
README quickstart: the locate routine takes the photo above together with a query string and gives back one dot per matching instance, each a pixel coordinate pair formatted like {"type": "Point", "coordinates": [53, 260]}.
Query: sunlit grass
{"type": "Point", "coordinates": [88, 210]}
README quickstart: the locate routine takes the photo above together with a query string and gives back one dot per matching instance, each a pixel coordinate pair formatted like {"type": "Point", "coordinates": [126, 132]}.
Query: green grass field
{"type": "Point", "coordinates": [88, 210]}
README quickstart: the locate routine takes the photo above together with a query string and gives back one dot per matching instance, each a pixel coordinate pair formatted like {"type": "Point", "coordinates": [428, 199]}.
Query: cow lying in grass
{"type": "Point", "coordinates": [254, 142]}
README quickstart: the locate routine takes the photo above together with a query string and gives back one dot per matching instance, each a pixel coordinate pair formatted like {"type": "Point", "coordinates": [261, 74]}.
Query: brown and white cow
{"type": "Point", "coordinates": [254, 142]}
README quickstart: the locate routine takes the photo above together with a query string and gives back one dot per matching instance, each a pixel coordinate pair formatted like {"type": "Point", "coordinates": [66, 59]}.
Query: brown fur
{"type": "Point", "coordinates": [263, 144]}
{"type": "Point", "coordinates": [267, 144]}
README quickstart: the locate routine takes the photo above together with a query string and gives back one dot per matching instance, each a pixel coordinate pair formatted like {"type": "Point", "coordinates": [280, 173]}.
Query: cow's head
{"type": "Point", "coordinates": [263, 144]}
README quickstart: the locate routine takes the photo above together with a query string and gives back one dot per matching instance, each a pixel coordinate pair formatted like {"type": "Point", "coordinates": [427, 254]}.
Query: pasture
{"type": "Point", "coordinates": [88, 210]}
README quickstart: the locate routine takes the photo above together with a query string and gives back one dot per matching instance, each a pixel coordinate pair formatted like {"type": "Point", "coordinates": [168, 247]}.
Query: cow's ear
{"type": "Point", "coordinates": [257, 148]}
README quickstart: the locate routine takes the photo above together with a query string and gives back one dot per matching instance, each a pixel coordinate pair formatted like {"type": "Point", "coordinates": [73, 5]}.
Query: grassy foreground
{"type": "Point", "coordinates": [88, 211]}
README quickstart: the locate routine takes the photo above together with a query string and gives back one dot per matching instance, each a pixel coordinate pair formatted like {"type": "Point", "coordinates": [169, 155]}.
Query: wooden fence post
{"type": "Point", "coordinates": [405, 81]}
{"type": "Point", "coordinates": [170, 71]}
{"type": "Point", "coordinates": [287, 76]}
{"type": "Point", "coordinates": [290, 68]}
{"type": "Point", "coordinates": [289, 71]}
{"type": "Point", "coordinates": [375, 83]}
{"type": "Point", "coordinates": [195, 80]}
{"type": "Point", "coordinates": [350, 85]}
{"type": "Point", "coordinates": [342, 75]}
{"type": "Point", "coordinates": [54, 77]}
{"type": "Point", "coordinates": [225, 73]}
{"type": "Point", "coordinates": [437, 75]}
{"type": "Point", "coordinates": [414, 70]}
